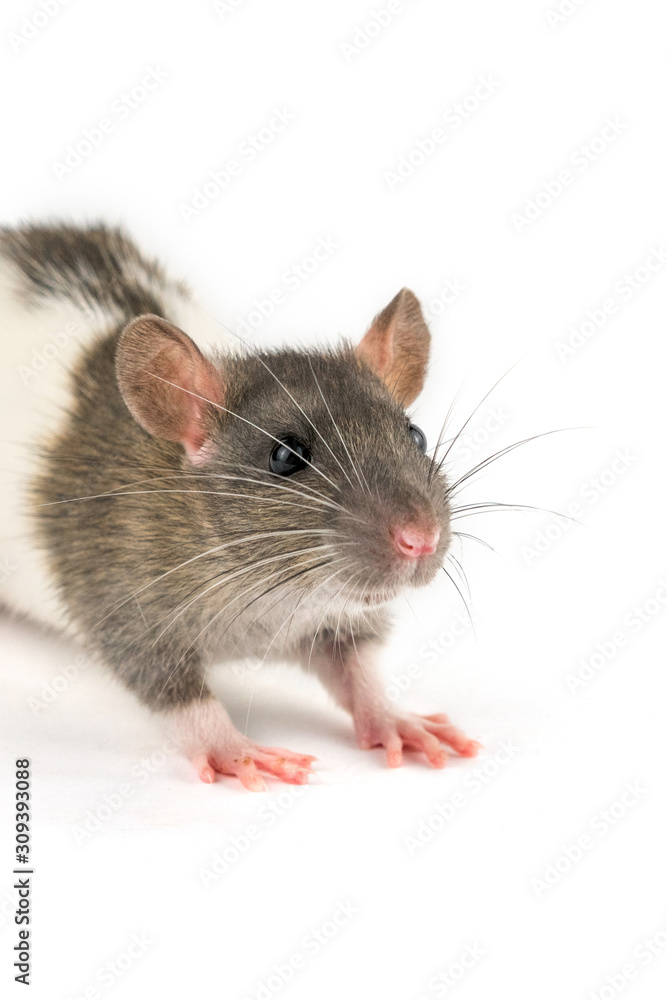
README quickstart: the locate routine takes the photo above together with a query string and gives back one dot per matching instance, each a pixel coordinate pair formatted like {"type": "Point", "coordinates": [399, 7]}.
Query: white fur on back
{"type": "Point", "coordinates": [40, 345]}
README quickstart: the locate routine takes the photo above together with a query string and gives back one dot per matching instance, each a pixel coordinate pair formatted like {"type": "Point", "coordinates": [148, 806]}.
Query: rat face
{"type": "Point", "coordinates": [307, 458]}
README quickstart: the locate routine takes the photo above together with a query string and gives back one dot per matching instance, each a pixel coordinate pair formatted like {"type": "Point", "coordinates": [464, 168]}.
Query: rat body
{"type": "Point", "coordinates": [174, 501]}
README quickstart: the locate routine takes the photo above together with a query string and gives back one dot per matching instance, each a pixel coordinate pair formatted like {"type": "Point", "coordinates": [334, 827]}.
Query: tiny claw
{"type": "Point", "coordinates": [253, 782]}
{"type": "Point", "coordinates": [204, 770]}
{"type": "Point", "coordinates": [394, 745]}
{"type": "Point", "coordinates": [249, 776]}
{"type": "Point", "coordinates": [299, 779]}
{"type": "Point", "coordinates": [295, 776]}
{"type": "Point", "coordinates": [300, 758]}
{"type": "Point", "coordinates": [438, 759]}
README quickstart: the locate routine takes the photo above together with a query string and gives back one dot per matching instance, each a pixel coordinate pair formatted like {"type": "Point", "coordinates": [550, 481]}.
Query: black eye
{"type": "Point", "coordinates": [417, 436]}
{"type": "Point", "coordinates": [288, 457]}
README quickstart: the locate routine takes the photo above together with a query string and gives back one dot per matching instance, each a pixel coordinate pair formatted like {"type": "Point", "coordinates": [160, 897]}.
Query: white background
{"type": "Point", "coordinates": [479, 882]}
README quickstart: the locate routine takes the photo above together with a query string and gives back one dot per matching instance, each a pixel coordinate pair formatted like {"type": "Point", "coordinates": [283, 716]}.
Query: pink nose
{"type": "Point", "coordinates": [413, 543]}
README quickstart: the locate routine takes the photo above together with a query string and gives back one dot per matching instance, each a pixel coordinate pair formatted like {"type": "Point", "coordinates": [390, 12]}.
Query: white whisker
{"type": "Point", "coordinates": [218, 613]}
{"type": "Point", "coordinates": [218, 406]}
{"type": "Point", "coordinates": [208, 552]}
{"type": "Point", "coordinates": [354, 467]}
{"type": "Point", "coordinates": [240, 572]}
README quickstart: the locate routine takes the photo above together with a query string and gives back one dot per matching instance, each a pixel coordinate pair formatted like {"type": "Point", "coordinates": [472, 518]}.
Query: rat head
{"type": "Point", "coordinates": [307, 458]}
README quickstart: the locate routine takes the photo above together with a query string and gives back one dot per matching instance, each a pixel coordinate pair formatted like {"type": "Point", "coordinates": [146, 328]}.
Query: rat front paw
{"type": "Point", "coordinates": [424, 733]}
{"type": "Point", "coordinates": [249, 760]}
{"type": "Point", "coordinates": [209, 739]}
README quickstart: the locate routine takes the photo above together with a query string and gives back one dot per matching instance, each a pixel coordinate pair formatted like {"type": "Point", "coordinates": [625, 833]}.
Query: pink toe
{"type": "Point", "coordinates": [303, 759]}
{"type": "Point", "coordinates": [249, 776]}
{"type": "Point", "coordinates": [204, 770]}
{"type": "Point", "coordinates": [394, 745]}
{"type": "Point", "coordinates": [438, 759]}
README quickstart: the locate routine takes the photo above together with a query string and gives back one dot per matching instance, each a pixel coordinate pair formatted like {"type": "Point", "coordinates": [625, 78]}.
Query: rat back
{"type": "Point", "coordinates": [62, 290]}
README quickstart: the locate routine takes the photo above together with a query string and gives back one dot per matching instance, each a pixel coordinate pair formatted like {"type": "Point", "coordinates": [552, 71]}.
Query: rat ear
{"type": "Point", "coordinates": [397, 346]}
{"type": "Point", "coordinates": [170, 388]}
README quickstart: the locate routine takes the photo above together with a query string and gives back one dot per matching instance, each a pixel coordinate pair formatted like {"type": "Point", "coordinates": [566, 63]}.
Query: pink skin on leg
{"type": "Point", "coordinates": [380, 726]}
{"type": "Point", "coordinates": [356, 685]}
{"type": "Point", "coordinates": [210, 740]}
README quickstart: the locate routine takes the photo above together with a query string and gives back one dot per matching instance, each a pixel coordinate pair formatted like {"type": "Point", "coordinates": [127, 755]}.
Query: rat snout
{"type": "Point", "coordinates": [412, 542]}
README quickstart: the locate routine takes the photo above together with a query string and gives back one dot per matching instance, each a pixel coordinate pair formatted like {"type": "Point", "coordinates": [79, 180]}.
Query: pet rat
{"type": "Point", "coordinates": [174, 498]}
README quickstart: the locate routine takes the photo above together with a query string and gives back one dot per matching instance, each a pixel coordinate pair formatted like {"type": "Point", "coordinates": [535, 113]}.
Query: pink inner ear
{"type": "Point", "coordinates": [193, 436]}
{"type": "Point", "coordinates": [375, 348]}
{"type": "Point", "coordinates": [397, 346]}
{"type": "Point", "coordinates": [195, 439]}
{"type": "Point", "coordinates": [190, 382]}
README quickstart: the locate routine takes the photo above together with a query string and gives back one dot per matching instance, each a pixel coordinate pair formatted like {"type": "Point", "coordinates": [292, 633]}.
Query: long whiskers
{"type": "Point", "coordinates": [286, 390]}
{"type": "Point", "coordinates": [218, 406]}
{"type": "Point", "coordinates": [355, 468]}
{"type": "Point", "coordinates": [465, 424]}
{"type": "Point", "coordinates": [324, 614]}
{"type": "Point", "coordinates": [467, 510]}
{"type": "Point", "coordinates": [266, 611]}
{"type": "Point", "coordinates": [258, 597]}
{"type": "Point", "coordinates": [461, 595]}
{"type": "Point", "coordinates": [208, 552]}
{"type": "Point", "coordinates": [473, 538]}
{"type": "Point", "coordinates": [485, 462]}
{"type": "Point", "coordinates": [121, 492]}
{"type": "Point", "coordinates": [445, 424]}
{"type": "Point", "coordinates": [226, 577]}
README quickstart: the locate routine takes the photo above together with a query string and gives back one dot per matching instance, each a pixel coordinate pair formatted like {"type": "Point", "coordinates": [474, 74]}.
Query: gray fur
{"type": "Point", "coordinates": [97, 266]}
{"type": "Point", "coordinates": [108, 553]}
